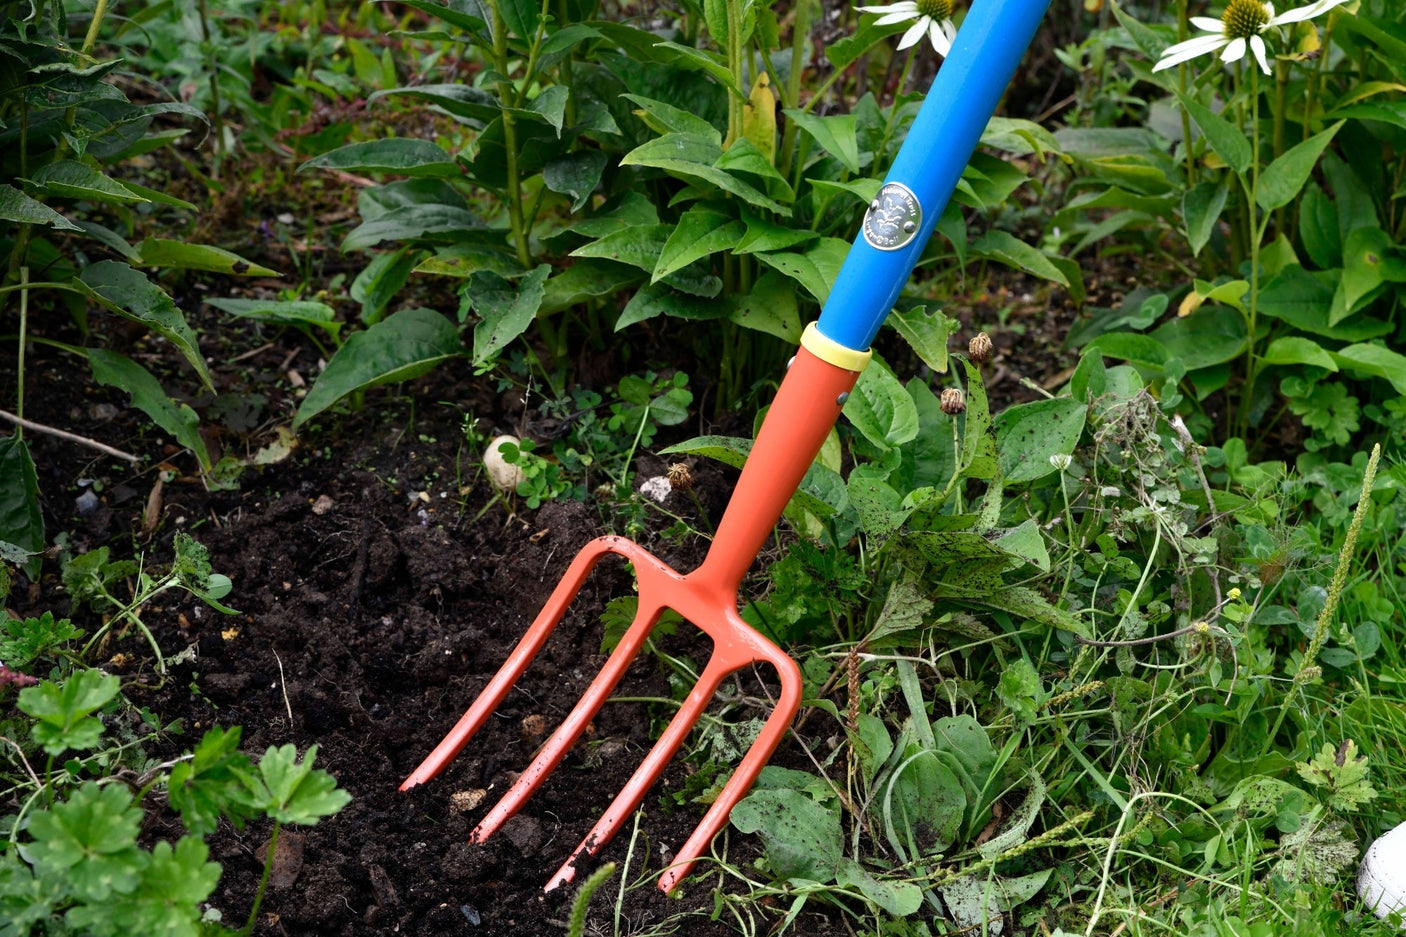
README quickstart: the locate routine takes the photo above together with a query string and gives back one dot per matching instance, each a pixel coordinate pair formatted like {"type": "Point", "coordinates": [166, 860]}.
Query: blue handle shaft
{"type": "Point", "coordinates": [988, 47]}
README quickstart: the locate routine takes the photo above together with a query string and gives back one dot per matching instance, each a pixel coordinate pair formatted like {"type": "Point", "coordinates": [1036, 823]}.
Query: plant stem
{"type": "Point", "coordinates": [19, 362]}
{"type": "Point", "coordinates": [800, 31]}
{"type": "Point", "coordinates": [263, 882]}
{"type": "Point", "coordinates": [1182, 69]}
{"type": "Point", "coordinates": [1257, 229]}
{"type": "Point", "coordinates": [509, 100]}
{"type": "Point", "coordinates": [91, 39]}
{"type": "Point", "coordinates": [734, 64]}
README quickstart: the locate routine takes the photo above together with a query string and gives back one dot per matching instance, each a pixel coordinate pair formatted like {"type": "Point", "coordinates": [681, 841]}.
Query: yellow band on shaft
{"type": "Point", "coordinates": [832, 352]}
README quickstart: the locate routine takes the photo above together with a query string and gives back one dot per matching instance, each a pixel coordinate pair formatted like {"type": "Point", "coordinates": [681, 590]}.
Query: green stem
{"type": "Point", "coordinates": [791, 93]}
{"type": "Point", "coordinates": [19, 365]}
{"type": "Point", "coordinates": [214, 66]}
{"type": "Point", "coordinates": [734, 64]}
{"type": "Point", "coordinates": [1257, 229]}
{"type": "Point", "coordinates": [263, 882]}
{"type": "Point", "coordinates": [1183, 28]}
{"type": "Point", "coordinates": [509, 100]}
{"type": "Point", "coordinates": [91, 39]}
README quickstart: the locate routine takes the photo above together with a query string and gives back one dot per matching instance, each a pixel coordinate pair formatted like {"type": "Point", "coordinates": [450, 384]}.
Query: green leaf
{"type": "Point", "coordinates": [1211, 335]}
{"type": "Point", "coordinates": [439, 223]}
{"type": "Point", "coordinates": [656, 299]}
{"type": "Point", "coordinates": [1283, 179]}
{"type": "Point", "coordinates": [298, 313]}
{"type": "Point", "coordinates": [168, 900]}
{"type": "Point", "coordinates": [1294, 349]}
{"type": "Point", "coordinates": [836, 134]}
{"type": "Point", "coordinates": [1342, 770]}
{"type": "Point", "coordinates": [65, 710]}
{"type": "Point", "coordinates": [1375, 361]}
{"type": "Point", "coordinates": [1010, 250]}
{"type": "Point", "coordinates": [770, 306]}
{"type": "Point", "coordinates": [451, 13]}
{"type": "Point", "coordinates": [1020, 689]}
{"type": "Point", "coordinates": [90, 841]}
{"type": "Point", "coordinates": [405, 156]}
{"type": "Point", "coordinates": [576, 175]}
{"type": "Point", "coordinates": [1148, 41]}
{"type": "Point", "coordinates": [20, 208]}
{"type": "Point", "coordinates": [639, 246]}
{"type": "Point", "coordinates": [691, 156]}
{"type": "Point", "coordinates": [1304, 300]}
{"type": "Point", "coordinates": [926, 333]}
{"type": "Point", "coordinates": [506, 311]}
{"type": "Point", "coordinates": [1201, 208]}
{"type": "Point", "coordinates": [586, 280]}
{"type": "Point", "coordinates": [802, 837]}
{"type": "Point", "coordinates": [666, 118]}
{"type": "Point", "coordinates": [1028, 434]}
{"type": "Point", "coordinates": [899, 899]}
{"type": "Point", "coordinates": [702, 60]}
{"type": "Point", "coordinates": [1026, 542]}
{"type": "Point", "coordinates": [211, 785]}
{"type": "Point", "coordinates": [1369, 259]}
{"type": "Point", "coordinates": [881, 409]}
{"type": "Point", "coordinates": [129, 293]}
{"type": "Point", "coordinates": [1223, 136]}
{"type": "Point", "coordinates": [905, 609]}
{"type": "Point", "coordinates": [699, 233]}
{"type": "Point", "coordinates": [69, 178]}
{"type": "Point", "coordinates": [764, 236]}
{"type": "Point", "coordinates": [21, 521]}
{"type": "Point", "coordinates": [923, 806]}
{"type": "Point", "coordinates": [292, 791]}
{"type": "Point", "coordinates": [815, 268]}
{"type": "Point", "coordinates": [472, 106]}
{"type": "Point", "coordinates": [23, 641]}
{"type": "Point", "coordinates": [1318, 227]}
{"type": "Point", "coordinates": [880, 507]}
{"type": "Point", "coordinates": [163, 252]}
{"type": "Point", "coordinates": [147, 395]}
{"type": "Point", "coordinates": [404, 345]}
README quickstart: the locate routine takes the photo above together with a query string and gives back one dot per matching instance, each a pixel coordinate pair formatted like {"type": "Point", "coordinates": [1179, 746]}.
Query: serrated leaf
{"type": "Point", "coordinates": [1343, 771]}
{"type": "Point", "coordinates": [129, 293]}
{"type": "Point", "coordinates": [64, 709]}
{"type": "Point", "coordinates": [90, 841]}
{"type": "Point", "coordinates": [404, 345]}
{"type": "Point", "coordinates": [926, 333]}
{"type": "Point", "coordinates": [147, 395]}
{"type": "Point", "coordinates": [20, 208]}
{"type": "Point", "coordinates": [881, 409]}
{"type": "Point", "coordinates": [293, 791]}
{"type": "Point", "coordinates": [212, 784]}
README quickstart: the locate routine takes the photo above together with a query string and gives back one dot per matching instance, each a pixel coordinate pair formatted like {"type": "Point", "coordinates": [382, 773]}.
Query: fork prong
{"type": "Point", "coordinates": [527, 647]}
{"type": "Point", "coordinates": [561, 741]}
{"type": "Point", "coordinates": [648, 772]}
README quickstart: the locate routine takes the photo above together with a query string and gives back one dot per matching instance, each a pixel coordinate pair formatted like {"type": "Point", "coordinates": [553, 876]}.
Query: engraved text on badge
{"type": "Point", "coordinates": [893, 218]}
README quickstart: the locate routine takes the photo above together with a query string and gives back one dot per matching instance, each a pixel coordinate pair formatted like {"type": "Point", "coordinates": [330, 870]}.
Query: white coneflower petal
{"type": "Point", "coordinates": [889, 19]}
{"type": "Point", "coordinates": [1209, 23]}
{"type": "Point", "coordinates": [902, 6]}
{"type": "Point", "coordinates": [914, 33]}
{"type": "Point", "coordinates": [940, 40]}
{"type": "Point", "coordinates": [1190, 49]}
{"type": "Point", "coordinates": [1234, 51]}
{"type": "Point", "coordinates": [1257, 46]}
{"type": "Point", "coordinates": [1303, 13]}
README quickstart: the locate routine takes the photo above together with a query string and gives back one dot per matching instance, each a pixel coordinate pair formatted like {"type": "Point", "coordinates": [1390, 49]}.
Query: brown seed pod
{"type": "Point", "coordinates": [980, 348]}
{"type": "Point", "coordinates": [680, 478]}
{"type": "Point", "coordinates": [953, 402]}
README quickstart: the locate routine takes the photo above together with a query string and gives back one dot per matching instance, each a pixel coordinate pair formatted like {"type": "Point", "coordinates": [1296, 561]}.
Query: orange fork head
{"type": "Point", "coordinates": [806, 407]}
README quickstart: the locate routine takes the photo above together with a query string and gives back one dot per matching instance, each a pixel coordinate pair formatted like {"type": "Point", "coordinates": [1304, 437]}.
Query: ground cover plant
{"type": "Point", "coordinates": [1096, 590]}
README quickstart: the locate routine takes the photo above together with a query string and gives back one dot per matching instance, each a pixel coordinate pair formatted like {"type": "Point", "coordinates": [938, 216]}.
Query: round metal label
{"type": "Point", "coordinates": [893, 218]}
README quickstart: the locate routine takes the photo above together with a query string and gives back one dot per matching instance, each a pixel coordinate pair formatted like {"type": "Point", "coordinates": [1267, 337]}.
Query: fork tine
{"type": "Point", "coordinates": [628, 800]}
{"type": "Point", "coordinates": [561, 741]}
{"type": "Point", "coordinates": [526, 649]}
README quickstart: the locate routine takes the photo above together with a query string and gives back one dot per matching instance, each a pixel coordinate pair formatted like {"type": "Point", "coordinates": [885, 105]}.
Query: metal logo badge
{"type": "Point", "coordinates": [893, 218]}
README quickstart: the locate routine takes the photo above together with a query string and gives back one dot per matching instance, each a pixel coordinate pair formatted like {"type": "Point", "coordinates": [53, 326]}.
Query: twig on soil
{"type": "Point", "coordinates": [283, 686]}
{"type": "Point", "coordinates": [71, 437]}
{"type": "Point", "coordinates": [38, 785]}
{"type": "Point", "coordinates": [253, 352]}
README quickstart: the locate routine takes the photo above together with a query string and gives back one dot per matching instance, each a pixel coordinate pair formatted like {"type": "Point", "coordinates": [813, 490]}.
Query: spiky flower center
{"type": "Point", "coordinates": [1244, 18]}
{"type": "Point", "coordinates": [939, 9]}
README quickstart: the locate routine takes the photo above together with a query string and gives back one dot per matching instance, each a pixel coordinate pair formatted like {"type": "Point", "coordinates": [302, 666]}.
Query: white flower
{"type": "Point", "coordinates": [1238, 28]}
{"type": "Point", "coordinates": [933, 18]}
{"type": "Point", "coordinates": [1061, 461]}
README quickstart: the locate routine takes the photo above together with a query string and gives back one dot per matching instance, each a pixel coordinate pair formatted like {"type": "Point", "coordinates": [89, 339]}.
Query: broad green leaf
{"type": "Point", "coordinates": [802, 837]}
{"type": "Point", "coordinates": [821, 491]}
{"type": "Point", "coordinates": [292, 791]}
{"type": "Point", "coordinates": [1019, 136]}
{"type": "Point", "coordinates": [1028, 434]}
{"type": "Point", "coordinates": [473, 106]}
{"type": "Point", "coordinates": [168, 899]}
{"type": "Point", "coordinates": [699, 233]}
{"type": "Point", "coordinates": [20, 208]}
{"type": "Point", "coordinates": [1141, 350]}
{"type": "Point", "coordinates": [665, 118]}
{"type": "Point", "coordinates": [21, 521]}
{"type": "Point", "coordinates": [69, 178]}
{"type": "Point", "coordinates": [815, 268]}
{"type": "Point", "coordinates": [163, 252]}
{"type": "Point", "coordinates": [1010, 250]}
{"type": "Point", "coordinates": [1376, 361]}
{"type": "Point", "coordinates": [464, 260]}
{"type": "Point", "coordinates": [880, 408]}
{"type": "Point", "coordinates": [402, 346]}
{"type": "Point", "coordinates": [1318, 227]}
{"type": "Point", "coordinates": [64, 711]}
{"type": "Point", "coordinates": [1304, 300]}
{"type": "Point", "coordinates": [451, 13]}
{"type": "Point", "coordinates": [1369, 259]}
{"type": "Point", "coordinates": [905, 609]}
{"type": "Point", "coordinates": [835, 133]}
{"type": "Point", "coordinates": [405, 156]}
{"type": "Point", "coordinates": [770, 306]}
{"type": "Point", "coordinates": [89, 841]}
{"type": "Point", "coordinates": [762, 236]}
{"type": "Point", "coordinates": [147, 395]}
{"type": "Point", "coordinates": [744, 156]}
{"type": "Point", "coordinates": [658, 299]}
{"type": "Point", "coordinates": [1211, 335]}
{"type": "Point", "coordinates": [1294, 349]}
{"type": "Point", "coordinates": [639, 246]}
{"type": "Point", "coordinates": [880, 507]}
{"type": "Point", "coordinates": [550, 105]}
{"type": "Point", "coordinates": [709, 62]}
{"type": "Point", "coordinates": [299, 313]}
{"type": "Point", "coordinates": [1223, 136]}
{"type": "Point", "coordinates": [380, 280]}
{"type": "Point", "coordinates": [1026, 542]}
{"type": "Point", "coordinates": [576, 175]}
{"type": "Point", "coordinates": [977, 898]}
{"type": "Point", "coordinates": [128, 292]}
{"type": "Point", "coordinates": [899, 899]}
{"type": "Point", "coordinates": [691, 156]}
{"type": "Point", "coordinates": [1201, 208]}
{"type": "Point", "coordinates": [1283, 179]}
{"type": "Point", "coordinates": [586, 280]}
{"type": "Point", "coordinates": [923, 806]}
{"type": "Point", "coordinates": [926, 333]}
{"type": "Point", "coordinates": [439, 223]}
{"type": "Point", "coordinates": [1148, 41]}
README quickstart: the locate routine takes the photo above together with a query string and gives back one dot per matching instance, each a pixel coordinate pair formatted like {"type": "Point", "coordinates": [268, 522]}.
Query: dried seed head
{"type": "Point", "coordinates": [979, 348]}
{"type": "Point", "coordinates": [680, 478]}
{"type": "Point", "coordinates": [953, 402]}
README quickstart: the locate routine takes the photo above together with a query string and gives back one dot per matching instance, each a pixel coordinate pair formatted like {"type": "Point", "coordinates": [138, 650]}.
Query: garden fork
{"type": "Point", "coordinates": [833, 352]}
